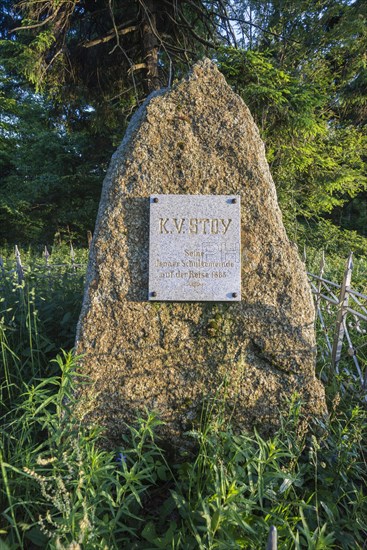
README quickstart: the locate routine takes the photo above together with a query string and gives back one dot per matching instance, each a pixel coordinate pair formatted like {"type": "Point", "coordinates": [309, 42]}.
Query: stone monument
{"type": "Point", "coordinates": [193, 289]}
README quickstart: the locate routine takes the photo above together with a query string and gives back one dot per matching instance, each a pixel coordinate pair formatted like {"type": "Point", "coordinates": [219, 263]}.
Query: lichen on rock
{"type": "Point", "coordinates": [196, 138]}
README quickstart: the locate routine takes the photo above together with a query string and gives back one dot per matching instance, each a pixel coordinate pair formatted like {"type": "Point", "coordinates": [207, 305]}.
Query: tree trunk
{"type": "Point", "coordinates": [150, 44]}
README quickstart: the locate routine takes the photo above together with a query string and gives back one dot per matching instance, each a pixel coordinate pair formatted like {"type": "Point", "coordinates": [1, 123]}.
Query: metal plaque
{"type": "Point", "coordinates": [195, 248]}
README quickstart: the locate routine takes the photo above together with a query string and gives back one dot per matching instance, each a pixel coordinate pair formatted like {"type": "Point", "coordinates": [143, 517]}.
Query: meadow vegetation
{"type": "Point", "coordinates": [61, 489]}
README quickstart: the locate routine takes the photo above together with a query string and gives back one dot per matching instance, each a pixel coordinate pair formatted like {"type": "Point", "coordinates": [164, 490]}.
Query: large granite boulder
{"type": "Point", "coordinates": [196, 138]}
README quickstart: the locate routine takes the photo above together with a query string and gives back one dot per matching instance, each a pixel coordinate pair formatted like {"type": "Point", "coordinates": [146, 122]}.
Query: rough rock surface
{"type": "Point", "coordinates": [197, 138]}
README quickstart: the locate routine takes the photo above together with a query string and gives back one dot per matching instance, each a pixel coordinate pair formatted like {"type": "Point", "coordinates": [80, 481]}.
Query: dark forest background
{"type": "Point", "coordinates": [73, 72]}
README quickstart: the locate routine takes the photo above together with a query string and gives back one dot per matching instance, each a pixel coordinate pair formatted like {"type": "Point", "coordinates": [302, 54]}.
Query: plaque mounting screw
{"type": "Point", "coordinates": [234, 294]}
{"type": "Point", "coordinates": [153, 294]}
{"type": "Point", "coordinates": [234, 201]}
{"type": "Point", "coordinates": [155, 199]}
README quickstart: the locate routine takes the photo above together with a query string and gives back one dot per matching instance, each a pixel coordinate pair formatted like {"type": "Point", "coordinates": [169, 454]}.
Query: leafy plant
{"type": "Point", "coordinates": [63, 487]}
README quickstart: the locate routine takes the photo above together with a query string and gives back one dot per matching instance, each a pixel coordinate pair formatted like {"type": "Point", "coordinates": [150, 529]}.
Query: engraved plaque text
{"type": "Point", "coordinates": [194, 248]}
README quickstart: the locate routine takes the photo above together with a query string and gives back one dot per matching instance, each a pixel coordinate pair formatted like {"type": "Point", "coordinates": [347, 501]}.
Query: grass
{"type": "Point", "coordinates": [61, 490]}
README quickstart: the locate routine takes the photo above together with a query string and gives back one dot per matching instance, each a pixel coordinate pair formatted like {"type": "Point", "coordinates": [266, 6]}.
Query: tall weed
{"type": "Point", "coordinates": [61, 489]}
